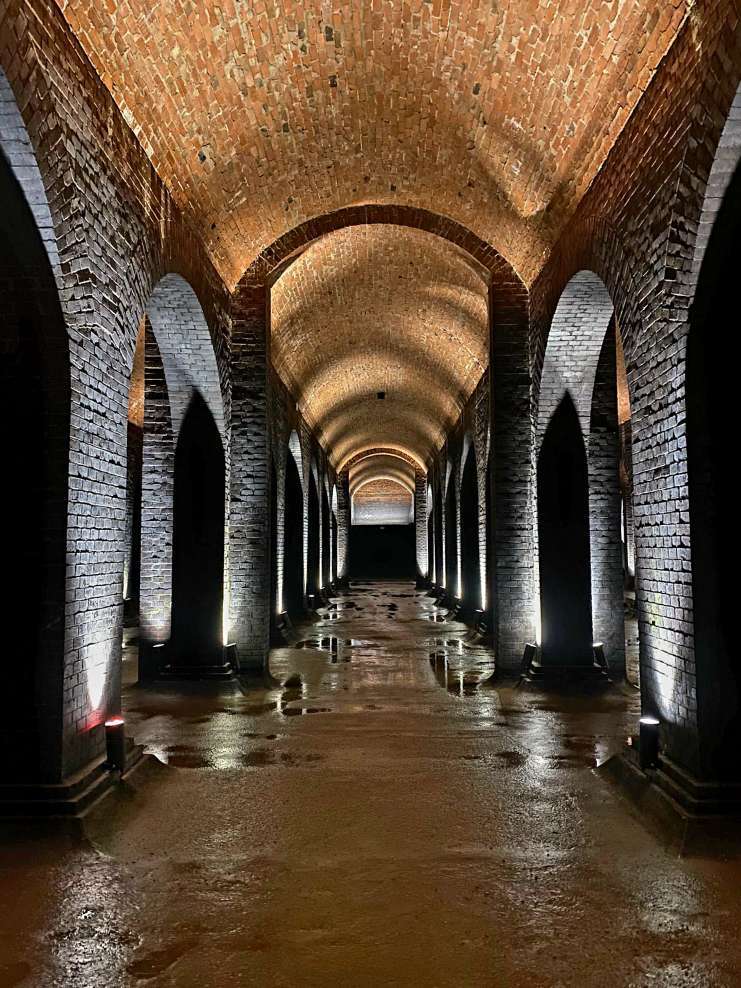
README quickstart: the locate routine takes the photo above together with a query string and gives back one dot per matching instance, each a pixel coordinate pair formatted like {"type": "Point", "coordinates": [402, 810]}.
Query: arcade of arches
{"type": "Point", "coordinates": [369, 361]}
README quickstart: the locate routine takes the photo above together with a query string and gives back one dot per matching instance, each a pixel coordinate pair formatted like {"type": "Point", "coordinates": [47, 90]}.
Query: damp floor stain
{"type": "Point", "coordinates": [383, 812]}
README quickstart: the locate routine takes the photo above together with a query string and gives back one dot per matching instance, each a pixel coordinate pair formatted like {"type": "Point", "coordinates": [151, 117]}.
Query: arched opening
{"type": "Point", "coordinates": [471, 594]}
{"type": "Point", "coordinates": [383, 530]}
{"type": "Point", "coordinates": [313, 560]}
{"type": "Point", "coordinates": [563, 538]}
{"type": "Point", "coordinates": [326, 541]}
{"type": "Point", "coordinates": [711, 396]}
{"type": "Point", "coordinates": [451, 542]}
{"type": "Point", "coordinates": [293, 541]}
{"type": "Point", "coordinates": [580, 372]}
{"type": "Point", "coordinates": [34, 419]}
{"type": "Point", "coordinates": [176, 466]}
{"type": "Point", "coordinates": [198, 542]}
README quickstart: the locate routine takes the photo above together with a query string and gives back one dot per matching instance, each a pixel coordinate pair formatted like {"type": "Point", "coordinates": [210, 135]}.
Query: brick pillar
{"type": "Point", "coordinates": [511, 596]}
{"type": "Point", "coordinates": [249, 509]}
{"type": "Point", "coordinates": [603, 447]}
{"type": "Point", "coordinates": [343, 526]}
{"type": "Point", "coordinates": [158, 463]}
{"type": "Point", "coordinates": [420, 525]}
{"type": "Point", "coordinates": [132, 548]}
{"type": "Point", "coordinates": [626, 459]}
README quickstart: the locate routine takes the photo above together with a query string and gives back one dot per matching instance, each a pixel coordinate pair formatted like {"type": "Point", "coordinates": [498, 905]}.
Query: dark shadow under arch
{"type": "Point", "coordinates": [563, 536]}
{"type": "Point", "coordinates": [198, 541]}
{"type": "Point", "coordinates": [277, 257]}
{"type": "Point", "coordinates": [470, 551]}
{"type": "Point", "coordinates": [711, 390]}
{"type": "Point", "coordinates": [34, 419]}
{"type": "Point", "coordinates": [439, 570]}
{"type": "Point", "coordinates": [293, 542]}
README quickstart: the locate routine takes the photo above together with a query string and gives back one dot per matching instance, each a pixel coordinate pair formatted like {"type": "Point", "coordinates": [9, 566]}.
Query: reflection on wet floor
{"type": "Point", "coordinates": [460, 673]}
{"type": "Point", "coordinates": [382, 810]}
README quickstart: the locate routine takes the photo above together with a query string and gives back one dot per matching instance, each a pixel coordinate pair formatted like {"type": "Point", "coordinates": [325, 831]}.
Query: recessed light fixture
{"type": "Point", "coordinates": [649, 742]}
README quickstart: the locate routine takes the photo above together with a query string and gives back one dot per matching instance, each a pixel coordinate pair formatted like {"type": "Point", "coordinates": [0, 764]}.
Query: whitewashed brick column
{"type": "Point", "coordinates": [343, 525]}
{"type": "Point", "coordinates": [511, 511]}
{"type": "Point", "coordinates": [158, 460]}
{"type": "Point", "coordinates": [420, 523]}
{"type": "Point", "coordinates": [249, 514]}
{"type": "Point", "coordinates": [603, 447]}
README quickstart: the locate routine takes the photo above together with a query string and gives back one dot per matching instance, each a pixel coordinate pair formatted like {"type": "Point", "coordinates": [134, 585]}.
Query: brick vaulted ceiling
{"type": "Point", "coordinates": [380, 309]}
{"type": "Point", "coordinates": [259, 115]}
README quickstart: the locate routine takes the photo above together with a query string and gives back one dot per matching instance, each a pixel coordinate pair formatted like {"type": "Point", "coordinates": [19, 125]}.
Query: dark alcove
{"type": "Point", "coordinates": [293, 554]}
{"type": "Point", "coordinates": [34, 418]}
{"type": "Point", "coordinates": [711, 400]}
{"type": "Point", "coordinates": [470, 556]}
{"type": "Point", "coordinates": [439, 575]}
{"type": "Point", "coordinates": [382, 552]}
{"type": "Point", "coordinates": [563, 535]}
{"type": "Point", "coordinates": [313, 557]}
{"type": "Point", "coordinates": [198, 541]}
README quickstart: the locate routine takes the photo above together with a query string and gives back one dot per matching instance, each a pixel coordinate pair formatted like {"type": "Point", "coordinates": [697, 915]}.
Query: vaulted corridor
{"type": "Point", "coordinates": [385, 808]}
{"type": "Point", "coordinates": [367, 424]}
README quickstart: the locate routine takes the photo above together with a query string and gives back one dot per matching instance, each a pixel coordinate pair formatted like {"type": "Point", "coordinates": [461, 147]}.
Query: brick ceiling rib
{"type": "Point", "coordinates": [259, 115]}
{"type": "Point", "coordinates": [381, 465]}
{"type": "Point", "coordinates": [384, 490]}
{"type": "Point", "coordinates": [380, 309]}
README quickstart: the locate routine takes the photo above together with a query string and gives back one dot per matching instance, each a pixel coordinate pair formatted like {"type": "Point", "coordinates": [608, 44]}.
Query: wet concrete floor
{"type": "Point", "coordinates": [385, 814]}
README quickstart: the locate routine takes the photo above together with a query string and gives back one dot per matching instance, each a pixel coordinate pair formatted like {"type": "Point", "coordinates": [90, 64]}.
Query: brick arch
{"type": "Point", "coordinates": [271, 263]}
{"type": "Point", "coordinates": [185, 343]}
{"type": "Point", "coordinates": [592, 246]}
{"type": "Point", "coordinates": [382, 463]}
{"type": "Point", "coordinates": [579, 366]}
{"type": "Point", "coordinates": [381, 451]}
{"type": "Point", "coordinates": [574, 341]}
{"type": "Point", "coordinates": [18, 149]}
{"type": "Point", "coordinates": [394, 479]}
{"type": "Point", "coordinates": [508, 311]}
{"type": "Point", "coordinates": [725, 162]}
{"type": "Point", "coordinates": [181, 373]}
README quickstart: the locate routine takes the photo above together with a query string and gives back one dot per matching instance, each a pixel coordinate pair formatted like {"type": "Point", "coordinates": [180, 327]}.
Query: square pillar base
{"type": "Point", "coordinates": [697, 819]}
